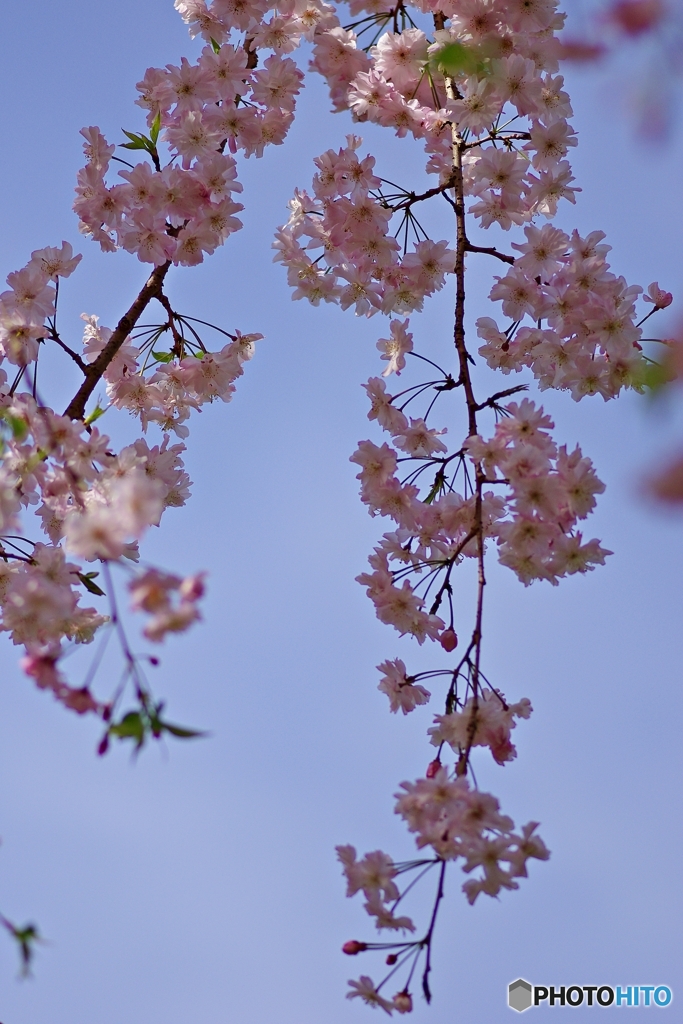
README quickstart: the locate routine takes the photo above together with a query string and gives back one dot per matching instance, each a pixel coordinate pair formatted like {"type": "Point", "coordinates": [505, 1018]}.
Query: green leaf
{"type": "Point", "coordinates": [162, 357]}
{"type": "Point", "coordinates": [87, 581]}
{"type": "Point", "coordinates": [457, 59]}
{"type": "Point", "coordinates": [131, 727]}
{"type": "Point", "coordinates": [180, 732]}
{"type": "Point", "coordinates": [216, 46]}
{"type": "Point", "coordinates": [95, 414]}
{"type": "Point", "coordinates": [155, 129]}
{"type": "Point", "coordinates": [17, 426]}
{"type": "Point", "coordinates": [653, 377]}
{"type": "Point", "coordinates": [136, 141]}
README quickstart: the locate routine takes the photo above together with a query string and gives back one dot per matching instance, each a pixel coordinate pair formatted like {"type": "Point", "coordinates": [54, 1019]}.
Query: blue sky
{"type": "Point", "coordinates": [199, 884]}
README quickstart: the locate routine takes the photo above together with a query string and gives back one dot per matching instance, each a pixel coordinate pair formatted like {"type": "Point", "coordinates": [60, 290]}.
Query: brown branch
{"type": "Point", "coordinates": [53, 336]}
{"type": "Point", "coordinates": [462, 247]}
{"type": "Point", "coordinates": [489, 251]}
{"type": "Point", "coordinates": [95, 370]}
{"type": "Point", "coordinates": [178, 341]}
{"type": "Point", "coordinates": [490, 402]}
{"type": "Point", "coordinates": [252, 54]}
{"type": "Point", "coordinates": [413, 198]}
{"type": "Point", "coordinates": [499, 137]}
{"type": "Point", "coordinates": [427, 941]}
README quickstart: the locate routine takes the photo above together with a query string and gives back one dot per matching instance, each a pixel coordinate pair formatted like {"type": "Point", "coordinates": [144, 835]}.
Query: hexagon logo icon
{"type": "Point", "coordinates": [519, 995]}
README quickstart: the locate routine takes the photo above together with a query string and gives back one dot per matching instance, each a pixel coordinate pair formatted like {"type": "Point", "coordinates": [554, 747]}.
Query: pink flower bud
{"type": "Point", "coordinates": [353, 946]}
{"type": "Point", "coordinates": [448, 640]}
{"type": "Point", "coordinates": [192, 587]}
{"type": "Point", "coordinates": [403, 1002]}
{"type": "Point", "coordinates": [432, 768]}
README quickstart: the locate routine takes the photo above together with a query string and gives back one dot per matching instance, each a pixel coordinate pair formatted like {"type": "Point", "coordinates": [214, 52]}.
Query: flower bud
{"type": "Point", "coordinates": [403, 1002]}
{"type": "Point", "coordinates": [432, 768]}
{"type": "Point", "coordinates": [353, 946]}
{"type": "Point", "coordinates": [448, 640]}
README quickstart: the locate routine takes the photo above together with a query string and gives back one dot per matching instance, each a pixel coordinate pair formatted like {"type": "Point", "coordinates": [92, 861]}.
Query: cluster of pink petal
{"type": "Point", "coordinates": [90, 501]}
{"type": "Point", "coordinates": [428, 532]}
{"type": "Point", "coordinates": [185, 210]}
{"type": "Point", "coordinates": [87, 499]}
{"type": "Point", "coordinates": [366, 990]}
{"type": "Point", "coordinates": [551, 489]}
{"type": "Point", "coordinates": [399, 86]}
{"type": "Point", "coordinates": [30, 299]}
{"type": "Point", "coordinates": [374, 876]}
{"type": "Point", "coordinates": [401, 689]}
{"type": "Point", "coordinates": [458, 821]}
{"type": "Point", "coordinates": [168, 394]}
{"type": "Point", "coordinates": [585, 338]}
{"type": "Point", "coordinates": [360, 265]}
{"type": "Point", "coordinates": [484, 722]}
{"type": "Point", "coordinates": [170, 600]}
{"type": "Point", "coordinates": [290, 20]}
{"type": "Point", "coordinates": [41, 665]}
{"type": "Point", "coordinates": [40, 602]}
{"type": "Point", "coordinates": [176, 214]}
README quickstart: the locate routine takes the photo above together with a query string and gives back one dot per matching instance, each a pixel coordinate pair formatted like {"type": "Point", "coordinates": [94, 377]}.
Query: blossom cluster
{"type": "Point", "coordinates": [29, 300]}
{"type": "Point", "coordinates": [374, 875]}
{"type": "Point", "coordinates": [362, 266]}
{"type": "Point", "coordinates": [165, 387]}
{"type": "Point", "coordinates": [86, 499]}
{"type": "Point", "coordinates": [551, 489]}
{"type": "Point", "coordinates": [485, 721]}
{"type": "Point", "coordinates": [185, 210]}
{"type": "Point", "coordinates": [171, 601]}
{"type": "Point", "coordinates": [480, 90]}
{"type": "Point", "coordinates": [456, 820]}
{"type": "Point", "coordinates": [90, 501]}
{"type": "Point", "coordinates": [402, 84]}
{"type": "Point", "coordinates": [585, 337]}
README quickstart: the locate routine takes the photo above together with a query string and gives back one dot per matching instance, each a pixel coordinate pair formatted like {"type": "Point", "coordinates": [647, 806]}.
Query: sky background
{"type": "Point", "coordinates": [199, 883]}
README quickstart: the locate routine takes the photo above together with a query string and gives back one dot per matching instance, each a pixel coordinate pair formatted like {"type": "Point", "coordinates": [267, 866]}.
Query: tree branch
{"type": "Point", "coordinates": [95, 370]}
{"type": "Point", "coordinates": [489, 251]}
{"type": "Point", "coordinates": [74, 355]}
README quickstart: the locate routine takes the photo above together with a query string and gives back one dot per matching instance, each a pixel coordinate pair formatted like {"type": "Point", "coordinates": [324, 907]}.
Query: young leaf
{"type": "Point", "coordinates": [457, 59]}
{"type": "Point", "coordinates": [181, 733]}
{"type": "Point", "coordinates": [131, 727]}
{"type": "Point", "coordinates": [95, 414]}
{"type": "Point", "coordinates": [162, 357]}
{"type": "Point", "coordinates": [137, 141]}
{"type": "Point", "coordinates": [92, 588]}
{"type": "Point", "coordinates": [155, 129]}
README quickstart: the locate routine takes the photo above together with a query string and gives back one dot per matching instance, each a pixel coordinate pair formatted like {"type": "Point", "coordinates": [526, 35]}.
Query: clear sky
{"type": "Point", "coordinates": [199, 884]}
